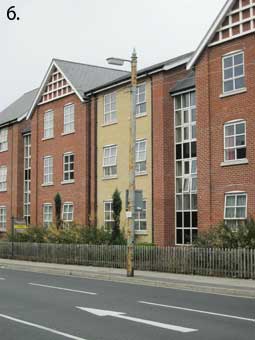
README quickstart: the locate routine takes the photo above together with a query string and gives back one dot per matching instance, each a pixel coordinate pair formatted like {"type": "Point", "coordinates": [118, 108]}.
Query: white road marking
{"type": "Point", "coordinates": [100, 312]}
{"type": "Point", "coordinates": [66, 335]}
{"type": "Point", "coordinates": [2, 278]}
{"type": "Point", "coordinates": [197, 311]}
{"type": "Point", "coordinates": [61, 288]}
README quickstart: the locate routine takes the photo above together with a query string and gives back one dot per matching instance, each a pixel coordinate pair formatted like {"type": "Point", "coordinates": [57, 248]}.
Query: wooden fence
{"type": "Point", "coordinates": [233, 263]}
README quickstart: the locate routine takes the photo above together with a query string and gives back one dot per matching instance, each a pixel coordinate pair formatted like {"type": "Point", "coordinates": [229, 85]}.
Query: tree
{"type": "Point", "coordinates": [116, 207]}
{"type": "Point", "coordinates": [58, 205]}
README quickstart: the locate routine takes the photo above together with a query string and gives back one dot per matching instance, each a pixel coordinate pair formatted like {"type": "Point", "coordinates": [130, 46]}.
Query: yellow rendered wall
{"type": "Point", "coordinates": [118, 134]}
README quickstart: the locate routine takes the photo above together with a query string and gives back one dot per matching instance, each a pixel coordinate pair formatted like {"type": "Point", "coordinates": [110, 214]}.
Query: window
{"type": "Point", "coordinates": [186, 168]}
{"type": "Point", "coordinates": [49, 124]}
{"type": "Point", "coordinates": [140, 219]}
{"type": "Point", "coordinates": [3, 178]}
{"type": "Point", "coordinates": [110, 161]}
{"type": "Point", "coordinates": [67, 214]}
{"type": "Point", "coordinates": [2, 218]}
{"type": "Point", "coordinates": [233, 72]}
{"type": "Point", "coordinates": [140, 151]}
{"type": "Point", "coordinates": [48, 170]}
{"type": "Point", "coordinates": [68, 167]}
{"type": "Point", "coordinates": [235, 208]}
{"type": "Point", "coordinates": [47, 214]}
{"type": "Point", "coordinates": [108, 215]}
{"type": "Point", "coordinates": [110, 114]}
{"type": "Point", "coordinates": [235, 141]}
{"type": "Point", "coordinates": [3, 140]}
{"type": "Point", "coordinates": [69, 118]}
{"type": "Point", "coordinates": [27, 178]}
{"type": "Point", "coordinates": [141, 100]}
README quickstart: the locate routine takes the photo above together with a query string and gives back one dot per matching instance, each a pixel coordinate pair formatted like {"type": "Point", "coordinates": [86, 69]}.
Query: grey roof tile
{"type": "Point", "coordinates": [184, 84]}
{"type": "Point", "coordinates": [18, 108]}
{"type": "Point", "coordinates": [85, 77]}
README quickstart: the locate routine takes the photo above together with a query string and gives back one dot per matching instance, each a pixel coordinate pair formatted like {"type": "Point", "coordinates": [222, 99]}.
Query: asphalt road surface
{"type": "Point", "coordinates": [38, 307]}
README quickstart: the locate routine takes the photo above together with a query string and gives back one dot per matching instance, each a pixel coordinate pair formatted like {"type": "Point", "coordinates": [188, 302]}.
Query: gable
{"type": "Point", "coordinates": [56, 87]}
{"type": "Point", "coordinates": [239, 20]}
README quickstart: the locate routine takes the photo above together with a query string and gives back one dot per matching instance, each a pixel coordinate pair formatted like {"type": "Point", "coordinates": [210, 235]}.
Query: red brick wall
{"type": "Point", "coordinates": [163, 155]}
{"type": "Point", "coordinates": [78, 143]}
{"type": "Point", "coordinates": [13, 159]}
{"type": "Point", "coordinates": [213, 179]}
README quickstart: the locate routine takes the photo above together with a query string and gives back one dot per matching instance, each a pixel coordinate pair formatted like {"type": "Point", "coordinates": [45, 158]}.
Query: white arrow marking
{"type": "Point", "coordinates": [197, 311]}
{"type": "Point", "coordinates": [54, 331]}
{"type": "Point", "coordinates": [61, 288]}
{"type": "Point", "coordinates": [100, 312]}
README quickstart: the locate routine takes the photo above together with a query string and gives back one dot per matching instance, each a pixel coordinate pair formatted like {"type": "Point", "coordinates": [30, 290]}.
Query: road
{"type": "Point", "coordinates": [39, 306]}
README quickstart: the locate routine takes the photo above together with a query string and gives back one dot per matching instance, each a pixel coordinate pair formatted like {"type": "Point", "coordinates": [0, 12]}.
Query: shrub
{"type": "Point", "coordinates": [223, 236]}
{"type": "Point", "coordinates": [74, 234]}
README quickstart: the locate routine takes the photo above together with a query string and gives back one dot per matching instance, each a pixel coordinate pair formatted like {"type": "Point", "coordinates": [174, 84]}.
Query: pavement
{"type": "Point", "coordinates": [39, 302]}
{"type": "Point", "coordinates": [210, 285]}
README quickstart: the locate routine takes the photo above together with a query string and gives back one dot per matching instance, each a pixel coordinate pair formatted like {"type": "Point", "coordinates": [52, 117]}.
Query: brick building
{"type": "Point", "coordinates": [195, 139]}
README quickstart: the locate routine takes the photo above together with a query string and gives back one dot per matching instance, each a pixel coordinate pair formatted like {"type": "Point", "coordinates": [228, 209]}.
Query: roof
{"type": "Point", "coordinates": [211, 32]}
{"type": "Point", "coordinates": [85, 77]}
{"type": "Point", "coordinates": [184, 84]}
{"type": "Point", "coordinates": [165, 65]}
{"type": "Point", "coordinates": [81, 77]}
{"type": "Point", "coordinates": [19, 108]}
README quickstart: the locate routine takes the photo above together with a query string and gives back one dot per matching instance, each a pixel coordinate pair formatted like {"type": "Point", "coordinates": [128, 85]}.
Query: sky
{"type": "Point", "coordinates": [89, 31]}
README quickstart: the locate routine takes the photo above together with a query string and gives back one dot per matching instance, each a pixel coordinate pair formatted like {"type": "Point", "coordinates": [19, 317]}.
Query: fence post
{"type": "Point", "coordinates": [12, 226]}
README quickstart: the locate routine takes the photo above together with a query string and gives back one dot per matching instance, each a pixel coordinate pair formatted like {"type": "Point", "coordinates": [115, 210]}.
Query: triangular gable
{"type": "Point", "coordinates": [239, 21]}
{"type": "Point", "coordinates": [55, 85]}
{"type": "Point", "coordinates": [237, 18]}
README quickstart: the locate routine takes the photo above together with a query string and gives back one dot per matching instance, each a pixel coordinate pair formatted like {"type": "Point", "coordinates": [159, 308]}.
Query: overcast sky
{"type": "Point", "coordinates": [88, 31]}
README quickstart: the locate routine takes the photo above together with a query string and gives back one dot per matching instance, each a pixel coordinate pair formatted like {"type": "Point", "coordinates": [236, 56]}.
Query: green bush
{"type": "Point", "coordinates": [74, 234]}
{"type": "Point", "coordinates": [223, 236]}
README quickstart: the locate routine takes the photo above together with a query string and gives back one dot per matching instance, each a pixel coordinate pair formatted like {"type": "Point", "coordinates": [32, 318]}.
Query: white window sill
{"type": "Point", "coordinates": [232, 93]}
{"type": "Point", "coordinates": [3, 230]}
{"type": "Point", "coordinates": [3, 150]}
{"type": "Point", "coordinates": [68, 182]}
{"type": "Point", "coordinates": [237, 162]}
{"type": "Point", "coordinates": [109, 124]}
{"type": "Point", "coordinates": [47, 138]}
{"type": "Point", "coordinates": [141, 232]}
{"type": "Point", "coordinates": [67, 133]}
{"type": "Point", "coordinates": [109, 178]}
{"type": "Point", "coordinates": [47, 184]}
{"type": "Point", "coordinates": [3, 190]}
{"type": "Point", "coordinates": [138, 174]}
{"type": "Point", "coordinates": [140, 115]}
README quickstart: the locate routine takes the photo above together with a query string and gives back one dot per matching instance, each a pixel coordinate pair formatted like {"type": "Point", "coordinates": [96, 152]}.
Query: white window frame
{"type": "Point", "coordinates": [3, 218]}
{"type": "Point", "coordinates": [111, 220]}
{"type": "Point", "coordinates": [48, 128]}
{"type": "Point", "coordinates": [139, 220]}
{"type": "Point", "coordinates": [232, 55]}
{"type": "Point", "coordinates": [112, 112]}
{"type": "Point", "coordinates": [235, 218]}
{"type": "Point", "coordinates": [110, 166]}
{"type": "Point", "coordinates": [3, 139]}
{"type": "Point", "coordinates": [69, 118]}
{"type": "Point", "coordinates": [47, 215]}
{"type": "Point", "coordinates": [48, 170]}
{"type": "Point", "coordinates": [139, 102]}
{"type": "Point", "coordinates": [69, 220]}
{"type": "Point", "coordinates": [69, 171]}
{"type": "Point", "coordinates": [235, 147]}
{"type": "Point", "coordinates": [139, 160]}
{"type": "Point", "coordinates": [3, 178]}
